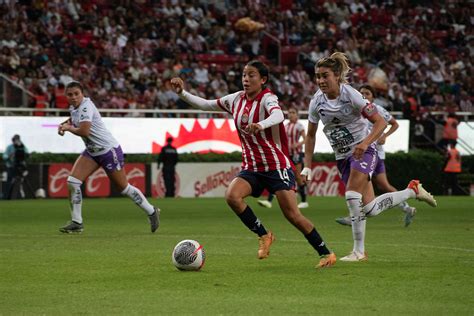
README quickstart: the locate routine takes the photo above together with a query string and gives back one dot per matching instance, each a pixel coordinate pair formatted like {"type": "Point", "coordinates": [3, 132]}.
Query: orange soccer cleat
{"type": "Point", "coordinates": [421, 193]}
{"type": "Point", "coordinates": [264, 243]}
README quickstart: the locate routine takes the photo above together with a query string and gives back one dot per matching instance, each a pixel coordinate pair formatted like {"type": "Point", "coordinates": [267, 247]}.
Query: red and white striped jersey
{"type": "Point", "coordinates": [268, 149]}
{"type": "Point", "coordinates": [294, 132]}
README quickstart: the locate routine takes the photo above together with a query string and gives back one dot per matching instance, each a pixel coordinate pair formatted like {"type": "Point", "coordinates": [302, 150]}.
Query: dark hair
{"type": "Point", "coordinates": [75, 84]}
{"type": "Point", "coordinates": [368, 87]}
{"type": "Point", "coordinates": [261, 68]}
{"type": "Point", "coordinates": [292, 107]}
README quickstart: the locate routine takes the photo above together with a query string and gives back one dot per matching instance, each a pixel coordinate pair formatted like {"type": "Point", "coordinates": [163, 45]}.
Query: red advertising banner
{"type": "Point", "coordinates": [57, 179]}
{"type": "Point", "coordinates": [136, 175]}
{"type": "Point", "coordinates": [325, 180]}
{"type": "Point", "coordinates": [98, 184]}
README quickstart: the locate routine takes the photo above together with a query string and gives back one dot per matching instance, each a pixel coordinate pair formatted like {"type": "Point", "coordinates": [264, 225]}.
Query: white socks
{"type": "Point", "coordinates": [139, 199]}
{"type": "Point", "coordinates": [354, 203]}
{"type": "Point", "coordinates": [75, 194]}
{"type": "Point", "coordinates": [386, 201]}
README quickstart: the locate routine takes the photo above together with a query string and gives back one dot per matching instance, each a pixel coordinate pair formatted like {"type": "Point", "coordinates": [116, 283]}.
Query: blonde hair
{"type": "Point", "coordinates": [338, 63]}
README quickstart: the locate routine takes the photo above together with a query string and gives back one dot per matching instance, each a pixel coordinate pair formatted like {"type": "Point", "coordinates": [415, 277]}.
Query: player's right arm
{"type": "Point", "coordinates": [309, 144]}
{"type": "Point", "coordinates": [60, 129]}
{"type": "Point", "coordinates": [196, 102]}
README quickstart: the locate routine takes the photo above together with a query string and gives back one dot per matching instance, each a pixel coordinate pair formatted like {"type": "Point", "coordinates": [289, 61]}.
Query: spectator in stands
{"type": "Point", "coordinates": [380, 35]}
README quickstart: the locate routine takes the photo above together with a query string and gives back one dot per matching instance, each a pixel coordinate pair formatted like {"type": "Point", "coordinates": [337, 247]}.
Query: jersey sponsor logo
{"type": "Point", "coordinates": [343, 150]}
{"type": "Point", "coordinates": [57, 179]}
{"type": "Point", "coordinates": [341, 137]}
{"type": "Point", "coordinates": [98, 184]}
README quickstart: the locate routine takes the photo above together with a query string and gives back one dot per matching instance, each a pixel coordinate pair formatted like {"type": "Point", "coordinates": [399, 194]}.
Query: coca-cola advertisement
{"type": "Point", "coordinates": [98, 184]}
{"type": "Point", "coordinates": [57, 179]}
{"type": "Point", "coordinates": [136, 175]}
{"type": "Point", "coordinates": [325, 180]}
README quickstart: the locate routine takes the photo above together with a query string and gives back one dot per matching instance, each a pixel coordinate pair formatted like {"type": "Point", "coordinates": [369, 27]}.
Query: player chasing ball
{"type": "Point", "coordinates": [345, 115]}
{"type": "Point", "coordinates": [379, 176]}
{"type": "Point", "coordinates": [265, 165]}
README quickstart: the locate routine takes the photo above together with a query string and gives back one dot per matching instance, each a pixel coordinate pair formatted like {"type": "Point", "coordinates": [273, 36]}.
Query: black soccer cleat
{"type": "Point", "coordinates": [154, 220]}
{"type": "Point", "coordinates": [72, 227]}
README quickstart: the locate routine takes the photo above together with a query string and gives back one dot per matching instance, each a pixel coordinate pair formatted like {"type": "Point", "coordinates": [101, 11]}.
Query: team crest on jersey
{"type": "Point", "coordinates": [245, 118]}
{"type": "Point", "coordinates": [227, 104]}
{"type": "Point", "coordinates": [336, 120]}
{"type": "Point", "coordinates": [347, 109]}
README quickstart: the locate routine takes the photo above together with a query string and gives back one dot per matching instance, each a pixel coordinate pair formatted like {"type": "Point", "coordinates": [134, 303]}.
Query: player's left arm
{"type": "Point", "coordinates": [276, 116]}
{"type": "Point", "coordinates": [393, 127]}
{"type": "Point", "coordinates": [377, 129]}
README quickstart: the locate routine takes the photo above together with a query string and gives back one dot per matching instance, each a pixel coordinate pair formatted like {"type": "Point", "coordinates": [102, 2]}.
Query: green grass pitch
{"type": "Point", "coordinates": [116, 266]}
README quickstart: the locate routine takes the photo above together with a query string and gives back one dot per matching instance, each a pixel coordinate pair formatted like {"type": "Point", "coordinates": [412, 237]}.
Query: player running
{"type": "Point", "coordinates": [344, 113]}
{"type": "Point", "coordinates": [265, 164]}
{"type": "Point", "coordinates": [379, 176]}
{"type": "Point", "coordinates": [102, 150]}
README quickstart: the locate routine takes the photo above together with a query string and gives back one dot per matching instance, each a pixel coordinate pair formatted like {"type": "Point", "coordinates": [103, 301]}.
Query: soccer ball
{"type": "Point", "coordinates": [188, 255]}
{"type": "Point", "coordinates": [40, 193]}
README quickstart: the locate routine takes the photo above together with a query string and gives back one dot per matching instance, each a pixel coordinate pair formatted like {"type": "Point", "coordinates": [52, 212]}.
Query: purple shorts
{"type": "Point", "coordinates": [380, 167]}
{"type": "Point", "coordinates": [111, 161]}
{"type": "Point", "coordinates": [365, 165]}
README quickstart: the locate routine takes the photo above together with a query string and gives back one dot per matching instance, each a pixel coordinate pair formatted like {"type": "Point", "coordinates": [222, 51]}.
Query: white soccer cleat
{"type": "Point", "coordinates": [421, 193]}
{"type": "Point", "coordinates": [303, 205]}
{"type": "Point", "coordinates": [346, 221]}
{"type": "Point", "coordinates": [355, 256]}
{"type": "Point", "coordinates": [265, 203]}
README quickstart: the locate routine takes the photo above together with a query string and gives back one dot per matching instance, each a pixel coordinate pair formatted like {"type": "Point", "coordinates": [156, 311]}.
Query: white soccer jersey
{"type": "Point", "coordinates": [100, 140]}
{"type": "Point", "coordinates": [268, 149]}
{"type": "Point", "coordinates": [387, 117]}
{"type": "Point", "coordinates": [344, 119]}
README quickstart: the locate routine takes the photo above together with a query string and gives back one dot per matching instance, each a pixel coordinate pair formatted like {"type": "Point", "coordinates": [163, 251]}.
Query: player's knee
{"type": "Point", "coordinates": [233, 198]}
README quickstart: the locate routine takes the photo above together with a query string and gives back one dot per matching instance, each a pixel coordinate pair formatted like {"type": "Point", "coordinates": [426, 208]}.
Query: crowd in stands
{"type": "Point", "coordinates": [418, 54]}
